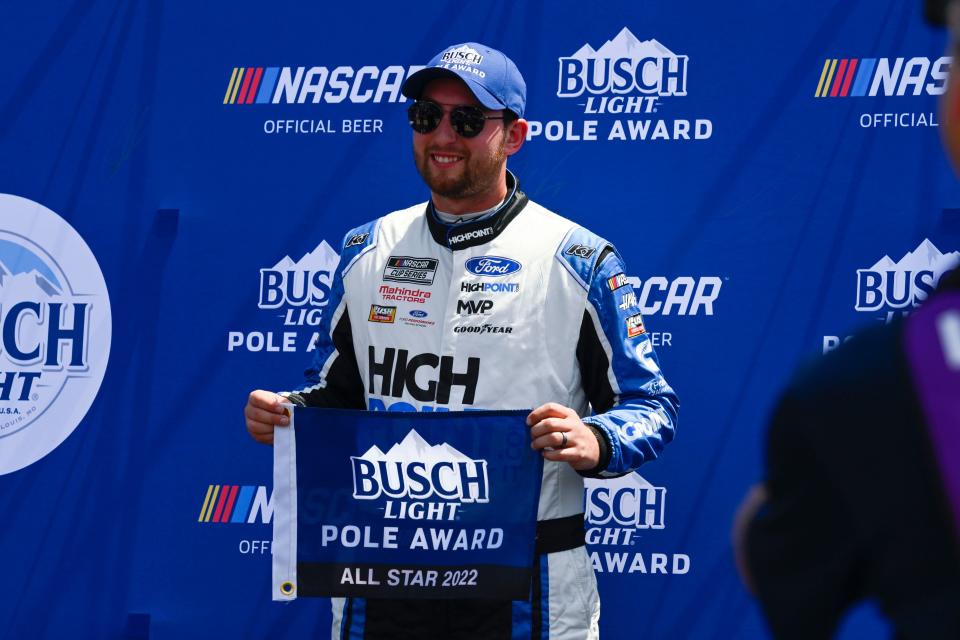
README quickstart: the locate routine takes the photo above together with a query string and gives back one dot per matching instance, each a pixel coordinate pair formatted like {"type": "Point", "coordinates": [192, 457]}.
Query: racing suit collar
{"type": "Point", "coordinates": [469, 234]}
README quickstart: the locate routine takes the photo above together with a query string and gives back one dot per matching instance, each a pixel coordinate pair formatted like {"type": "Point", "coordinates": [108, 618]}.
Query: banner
{"type": "Point", "coordinates": [771, 185]}
{"type": "Point", "coordinates": [440, 505]}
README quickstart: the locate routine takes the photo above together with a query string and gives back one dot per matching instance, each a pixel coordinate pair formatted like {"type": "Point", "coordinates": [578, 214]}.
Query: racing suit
{"type": "Point", "coordinates": [513, 310]}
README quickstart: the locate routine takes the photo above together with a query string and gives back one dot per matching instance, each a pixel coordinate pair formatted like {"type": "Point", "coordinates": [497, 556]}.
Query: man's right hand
{"type": "Point", "coordinates": [263, 412]}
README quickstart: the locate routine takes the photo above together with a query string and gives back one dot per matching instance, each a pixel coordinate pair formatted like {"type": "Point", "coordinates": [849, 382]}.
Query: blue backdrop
{"type": "Point", "coordinates": [781, 160]}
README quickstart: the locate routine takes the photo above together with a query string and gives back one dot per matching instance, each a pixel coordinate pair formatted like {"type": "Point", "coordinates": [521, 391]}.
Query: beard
{"type": "Point", "coordinates": [476, 175]}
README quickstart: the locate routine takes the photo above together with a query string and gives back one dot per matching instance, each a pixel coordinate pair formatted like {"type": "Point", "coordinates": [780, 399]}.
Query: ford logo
{"type": "Point", "coordinates": [417, 313]}
{"type": "Point", "coordinates": [492, 266]}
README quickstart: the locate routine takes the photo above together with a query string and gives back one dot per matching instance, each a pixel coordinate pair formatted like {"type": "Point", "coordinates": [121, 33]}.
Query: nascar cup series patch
{"type": "Point", "coordinates": [429, 505]}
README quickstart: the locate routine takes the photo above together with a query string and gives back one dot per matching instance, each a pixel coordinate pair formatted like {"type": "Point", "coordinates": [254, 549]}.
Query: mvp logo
{"type": "Point", "coordinates": [474, 307]}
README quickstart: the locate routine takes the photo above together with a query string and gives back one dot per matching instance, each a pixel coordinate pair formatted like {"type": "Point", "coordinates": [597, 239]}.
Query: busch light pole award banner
{"type": "Point", "coordinates": [432, 505]}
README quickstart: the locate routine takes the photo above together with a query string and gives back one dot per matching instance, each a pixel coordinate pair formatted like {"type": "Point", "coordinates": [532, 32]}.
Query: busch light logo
{"type": "Point", "coordinates": [630, 501]}
{"type": "Point", "coordinates": [900, 286]}
{"type": "Point", "coordinates": [416, 470]}
{"type": "Point", "coordinates": [462, 55]}
{"type": "Point", "coordinates": [295, 284]}
{"type": "Point", "coordinates": [55, 330]}
{"type": "Point", "coordinates": [628, 79]}
{"type": "Point", "coordinates": [617, 510]}
{"type": "Point", "coordinates": [492, 266]}
{"type": "Point", "coordinates": [623, 66]}
{"type": "Point", "coordinates": [299, 290]}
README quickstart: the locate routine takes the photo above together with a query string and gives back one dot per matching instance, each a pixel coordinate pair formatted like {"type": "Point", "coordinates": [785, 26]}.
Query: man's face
{"type": "Point", "coordinates": [456, 168]}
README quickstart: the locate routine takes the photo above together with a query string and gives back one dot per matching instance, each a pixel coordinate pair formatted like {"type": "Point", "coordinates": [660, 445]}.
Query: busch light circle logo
{"type": "Point", "coordinates": [55, 331]}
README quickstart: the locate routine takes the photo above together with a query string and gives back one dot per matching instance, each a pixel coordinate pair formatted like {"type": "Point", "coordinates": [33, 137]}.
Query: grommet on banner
{"type": "Point", "coordinates": [287, 588]}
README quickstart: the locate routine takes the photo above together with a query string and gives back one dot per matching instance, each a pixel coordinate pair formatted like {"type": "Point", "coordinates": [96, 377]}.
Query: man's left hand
{"type": "Point", "coordinates": [560, 435]}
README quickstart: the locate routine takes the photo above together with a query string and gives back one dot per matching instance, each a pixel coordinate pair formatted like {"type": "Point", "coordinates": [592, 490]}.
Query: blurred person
{"type": "Point", "coordinates": [862, 492]}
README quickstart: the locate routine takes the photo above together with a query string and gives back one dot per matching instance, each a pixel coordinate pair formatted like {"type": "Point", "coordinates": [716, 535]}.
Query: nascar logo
{"type": "Point", "coordinates": [857, 77]}
{"type": "Point", "coordinates": [617, 281]}
{"type": "Point", "coordinates": [236, 504]}
{"type": "Point", "coordinates": [297, 85]}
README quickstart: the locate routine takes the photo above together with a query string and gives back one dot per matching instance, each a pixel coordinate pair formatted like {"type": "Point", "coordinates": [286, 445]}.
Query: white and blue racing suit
{"type": "Point", "coordinates": [513, 310]}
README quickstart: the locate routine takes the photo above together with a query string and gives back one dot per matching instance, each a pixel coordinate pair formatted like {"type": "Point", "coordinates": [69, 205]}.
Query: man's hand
{"type": "Point", "coordinates": [264, 410]}
{"type": "Point", "coordinates": [560, 435]}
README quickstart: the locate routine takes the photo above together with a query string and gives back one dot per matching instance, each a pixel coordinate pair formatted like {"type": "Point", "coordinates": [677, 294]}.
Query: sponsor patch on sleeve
{"type": "Point", "coordinates": [381, 313]}
{"type": "Point", "coordinates": [628, 300]}
{"type": "Point", "coordinates": [356, 240]}
{"type": "Point", "coordinates": [617, 281]}
{"type": "Point", "coordinates": [635, 326]}
{"type": "Point", "coordinates": [407, 269]}
{"type": "Point", "coordinates": [580, 250]}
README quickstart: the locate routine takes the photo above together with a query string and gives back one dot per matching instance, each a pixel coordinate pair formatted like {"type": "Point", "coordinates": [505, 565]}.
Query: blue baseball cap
{"type": "Point", "coordinates": [491, 76]}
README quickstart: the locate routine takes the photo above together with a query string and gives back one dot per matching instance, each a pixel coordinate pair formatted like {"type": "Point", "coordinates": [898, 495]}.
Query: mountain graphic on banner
{"type": "Point", "coordinates": [926, 257]}
{"type": "Point", "coordinates": [323, 258]}
{"type": "Point", "coordinates": [25, 285]}
{"type": "Point", "coordinates": [625, 45]}
{"type": "Point", "coordinates": [629, 481]}
{"type": "Point", "coordinates": [414, 448]}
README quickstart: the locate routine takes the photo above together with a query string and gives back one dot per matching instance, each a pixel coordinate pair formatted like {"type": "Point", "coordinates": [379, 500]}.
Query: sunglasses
{"type": "Point", "coordinates": [468, 121]}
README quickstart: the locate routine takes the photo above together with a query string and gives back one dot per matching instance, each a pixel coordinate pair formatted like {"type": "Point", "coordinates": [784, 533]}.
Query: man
{"type": "Point", "coordinates": [862, 497]}
{"type": "Point", "coordinates": [853, 506]}
{"type": "Point", "coordinates": [482, 299]}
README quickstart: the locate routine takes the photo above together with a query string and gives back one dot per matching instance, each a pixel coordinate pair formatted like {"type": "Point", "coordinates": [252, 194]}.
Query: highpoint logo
{"type": "Point", "coordinates": [618, 511]}
{"type": "Point", "coordinates": [887, 77]}
{"type": "Point", "coordinates": [892, 287]}
{"type": "Point", "coordinates": [56, 327]}
{"type": "Point", "coordinates": [623, 77]}
{"type": "Point", "coordinates": [299, 291]}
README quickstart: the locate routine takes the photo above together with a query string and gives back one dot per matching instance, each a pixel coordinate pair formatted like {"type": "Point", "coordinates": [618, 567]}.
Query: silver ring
{"type": "Point", "coordinates": [563, 443]}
